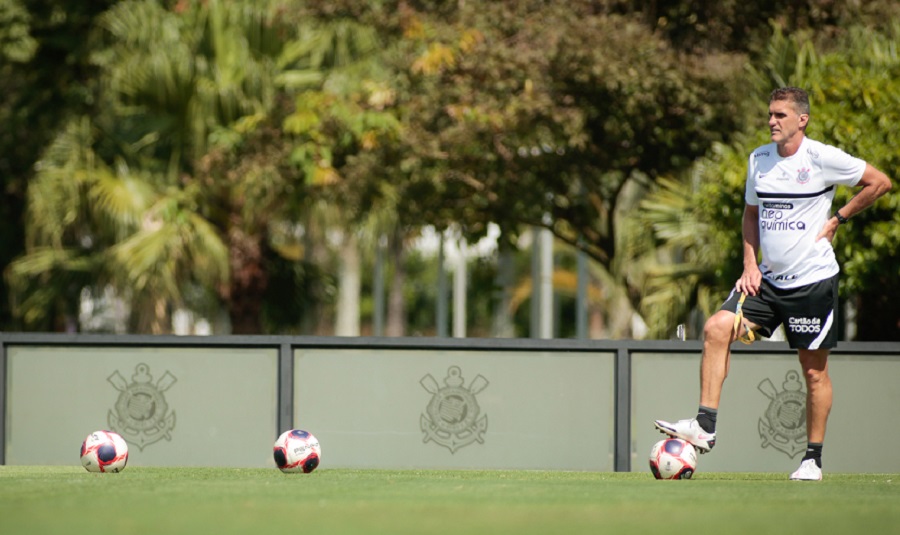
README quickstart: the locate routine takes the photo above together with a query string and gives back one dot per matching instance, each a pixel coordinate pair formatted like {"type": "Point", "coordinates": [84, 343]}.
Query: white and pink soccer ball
{"type": "Point", "coordinates": [297, 450]}
{"type": "Point", "coordinates": [673, 458]}
{"type": "Point", "coordinates": [104, 451]}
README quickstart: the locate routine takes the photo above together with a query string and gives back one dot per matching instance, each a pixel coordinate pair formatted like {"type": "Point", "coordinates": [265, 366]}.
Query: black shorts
{"type": "Point", "coordinates": [807, 313]}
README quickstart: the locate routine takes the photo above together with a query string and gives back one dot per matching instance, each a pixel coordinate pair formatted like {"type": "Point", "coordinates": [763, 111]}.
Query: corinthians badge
{"type": "Point", "coordinates": [140, 412]}
{"type": "Point", "coordinates": [784, 425]}
{"type": "Point", "coordinates": [451, 419]}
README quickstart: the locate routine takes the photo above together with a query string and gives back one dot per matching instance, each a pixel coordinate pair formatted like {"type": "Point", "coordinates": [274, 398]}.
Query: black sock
{"type": "Point", "coordinates": [706, 417]}
{"type": "Point", "coordinates": [814, 451]}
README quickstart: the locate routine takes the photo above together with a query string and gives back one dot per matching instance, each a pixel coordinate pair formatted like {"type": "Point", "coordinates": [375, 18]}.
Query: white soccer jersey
{"type": "Point", "coordinates": [794, 196]}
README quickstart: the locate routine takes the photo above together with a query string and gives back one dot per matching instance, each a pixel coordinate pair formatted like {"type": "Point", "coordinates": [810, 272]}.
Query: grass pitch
{"type": "Point", "coordinates": [69, 500]}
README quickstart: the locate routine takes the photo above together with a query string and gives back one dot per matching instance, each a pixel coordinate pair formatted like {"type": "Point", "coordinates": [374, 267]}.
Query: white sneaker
{"type": "Point", "coordinates": [690, 431]}
{"type": "Point", "coordinates": [808, 471]}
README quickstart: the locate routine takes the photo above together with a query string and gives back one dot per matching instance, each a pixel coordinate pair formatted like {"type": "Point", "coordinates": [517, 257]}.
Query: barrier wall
{"type": "Point", "coordinates": [429, 403]}
{"type": "Point", "coordinates": [174, 406]}
{"type": "Point", "coordinates": [761, 426]}
{"type": "Point", "coordinates": [458, 409]}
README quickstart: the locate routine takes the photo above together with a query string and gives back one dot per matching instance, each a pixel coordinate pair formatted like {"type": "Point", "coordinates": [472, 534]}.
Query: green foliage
{"type": "Point", "coordinates": [328, 129]}
{"type": "Point", "coordinates": [45, 78]}
{"type": "Point", "coordinates": [858, 107]}
{"type": "Point", "coordinates": [78, 207]}
{"type": "Point", "coordinates": [240, 119]}
{"type": "Point", "coordinates": [854, 96]}
{"type": "Point", "coordinates": [172, 77]}
{"type": "Point", "coordinates": [16, 42]}
{"type": "Point", "coordinates": [735, 25]}
{"type": "Point", "coordinates": [509, 120]}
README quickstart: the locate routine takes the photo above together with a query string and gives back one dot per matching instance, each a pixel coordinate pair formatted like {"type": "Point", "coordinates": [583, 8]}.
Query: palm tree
{"type": "Point", "coordinates": [170, 81]}
{"type": "Point", "coordinates": [674, 262]}
{"type": "Point", "coordinates": [183, 90]}
{"type": "Point", "coordinates": [78, 207]}
{"type": "Point", "coordinates": [94, 226]}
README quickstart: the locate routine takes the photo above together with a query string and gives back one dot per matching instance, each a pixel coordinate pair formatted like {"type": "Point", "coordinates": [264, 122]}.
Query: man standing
{"type": "Point", "coordinates": [789, 191]}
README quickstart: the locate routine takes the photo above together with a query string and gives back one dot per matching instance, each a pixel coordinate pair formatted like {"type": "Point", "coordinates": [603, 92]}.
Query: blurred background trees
{"type": "Point", "coordinates": [287, 166]}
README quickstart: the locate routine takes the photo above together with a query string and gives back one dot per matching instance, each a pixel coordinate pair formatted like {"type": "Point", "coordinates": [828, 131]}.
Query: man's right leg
{"type": "Point", "coordinates": [818, 406]}
{"type": "Point", "coordinates": [718, 334]}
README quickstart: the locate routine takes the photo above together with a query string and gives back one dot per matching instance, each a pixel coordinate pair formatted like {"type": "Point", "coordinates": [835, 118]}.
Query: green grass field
{"type": "Point", "coordinates": [45, 500]}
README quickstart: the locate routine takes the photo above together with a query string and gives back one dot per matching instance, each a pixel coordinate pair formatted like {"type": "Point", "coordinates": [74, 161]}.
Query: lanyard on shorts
{"type": "Point", "coordinates": [749, 337]}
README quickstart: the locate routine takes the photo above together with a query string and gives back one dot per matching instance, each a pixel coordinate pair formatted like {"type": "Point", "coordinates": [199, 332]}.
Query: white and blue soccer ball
{"type": "Point", "coordinates": [104, 451]}
{"type": "Point", "coordinates": [673, 458]}
{"type": "Point", "coordinates": [296, 451]}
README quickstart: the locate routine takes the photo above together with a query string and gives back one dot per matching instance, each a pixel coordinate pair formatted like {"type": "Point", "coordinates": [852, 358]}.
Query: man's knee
{"type": "Point", "coordinates": [814, 365]}
{"type": "Point", "coordinates": [719, 326]}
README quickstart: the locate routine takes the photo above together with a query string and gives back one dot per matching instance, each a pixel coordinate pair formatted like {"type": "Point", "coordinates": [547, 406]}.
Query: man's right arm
{"type": "Point", "coordinates": [752, 277]}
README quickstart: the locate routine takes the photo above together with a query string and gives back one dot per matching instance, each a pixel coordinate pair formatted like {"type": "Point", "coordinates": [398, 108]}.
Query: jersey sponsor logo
{"type": "Point", "coordinates": [803, 175]}
{"type": "Point", "coordinates": [768, 275]}
{"type": "Point", "coordinates": [771, 217]}
{"type": "Point", "coordinates": [782, 225]}
{"type": "Point", "coordinates": [761, 154]}
{"type": "Point", "coordinates": [804, 325]}
{"type": "Point", "coordinates": [813, 153]}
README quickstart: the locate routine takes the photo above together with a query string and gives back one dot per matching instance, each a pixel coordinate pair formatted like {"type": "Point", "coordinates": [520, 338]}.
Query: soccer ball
{"type": "Point", "coordinates": [673, 458]}
{"type": "Point", "coordinates": [297, 451]}
{"type": "Point", "coordinates": [104, 451]}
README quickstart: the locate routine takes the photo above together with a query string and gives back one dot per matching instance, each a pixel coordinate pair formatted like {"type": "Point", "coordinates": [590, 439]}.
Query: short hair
{"type": "Point", "coordinates": [798, 97]}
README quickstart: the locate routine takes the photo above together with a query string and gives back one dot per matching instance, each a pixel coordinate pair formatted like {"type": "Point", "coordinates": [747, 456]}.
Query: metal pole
{"type": "Point", "coordinates": [441, 292]}
{"type": "Point", "coordinates": [581, 296]}
{"type": "Point", "coordinates": [546, 284]}
{"type": "Point", "coordinates": [285, 388]}
{"type": "Point", "coordinates": [622, 411]}
{"type": "Point", "coordinates": [378, 288]}
{"type": "Point", "coordinates": [535, 309]}
{"type": "Point", "coordinates": [459, 292]}
{"type": "Point", "coordinates": [2, 403]}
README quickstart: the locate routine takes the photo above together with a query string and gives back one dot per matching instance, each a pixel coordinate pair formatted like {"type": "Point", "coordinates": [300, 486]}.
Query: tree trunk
{"type": "Point", "coordinates": [349, 283]}
{"type": "Point", "coordinates": [248, 282]}
{"type": "Point", "coordinates": [503, 324]}
{"type": "Point", "coordinates": [396, 312]}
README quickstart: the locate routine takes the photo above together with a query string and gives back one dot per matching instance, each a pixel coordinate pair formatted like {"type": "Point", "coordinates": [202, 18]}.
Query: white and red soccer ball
{"type": "Point", "coordinates": [104, 451]}
{"type": "Point", "coordinates": [673, 458]}
{"type": "Point", "coordinates": [297, 450]}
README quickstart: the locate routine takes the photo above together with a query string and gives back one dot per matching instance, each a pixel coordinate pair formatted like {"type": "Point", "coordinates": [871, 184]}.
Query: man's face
{"type": "Point", "coordinates": [784, 122]}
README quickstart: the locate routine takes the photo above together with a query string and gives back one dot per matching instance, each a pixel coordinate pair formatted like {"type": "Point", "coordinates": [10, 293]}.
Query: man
{"type": "Point", "coordinates": [789, 191]}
